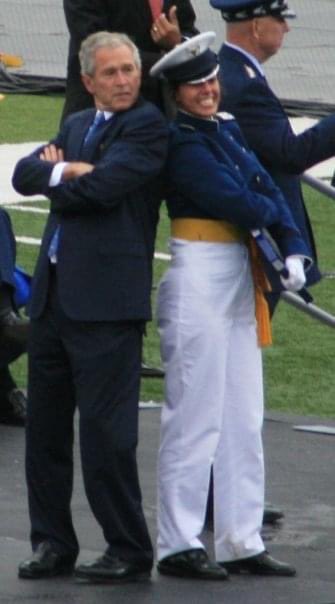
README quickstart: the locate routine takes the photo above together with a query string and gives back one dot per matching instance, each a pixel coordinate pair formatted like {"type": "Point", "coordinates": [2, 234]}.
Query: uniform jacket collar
{"type": "Point", "coordinates": [230, 51]}
{"type": "Point", "coordinates": [193, 122]}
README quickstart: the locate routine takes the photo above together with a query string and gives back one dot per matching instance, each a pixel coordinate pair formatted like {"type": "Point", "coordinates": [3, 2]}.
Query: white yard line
{"type": "Point", "coordinates": [162, 256]}
{"type": "Point", "coordinates": [19, 208]}
{"type": "Point", "coordinates": [28, 240]}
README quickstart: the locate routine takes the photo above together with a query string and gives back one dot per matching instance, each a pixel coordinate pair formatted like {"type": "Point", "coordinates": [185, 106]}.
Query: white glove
{"type": "Point", "coordinates": [296, 276]}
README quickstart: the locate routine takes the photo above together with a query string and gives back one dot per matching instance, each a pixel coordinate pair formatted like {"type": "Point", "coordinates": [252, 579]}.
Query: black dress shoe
{"type": "Point", "coordinates": [193, 564]}
{"type": "Point", "coordinates": [13, 408]}
{"type": "Point", "coordinates": [151, 372]}
{"type": "Point", "coordinates": [111, 569]}
{"type": "Point", "coordinates": [261, 564]}
{"type": "Point", "coordinates": [272, 513]}
{"type": "Point", "coordinates": [13, 327]}
{"type": "Point", "coordinates": [46, 562]}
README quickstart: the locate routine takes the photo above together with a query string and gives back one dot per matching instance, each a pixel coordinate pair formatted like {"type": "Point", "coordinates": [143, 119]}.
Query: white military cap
{"type": "Point", "coordinates": [190, 62]}
{"type": "Point", "coordinates": [242, 10]}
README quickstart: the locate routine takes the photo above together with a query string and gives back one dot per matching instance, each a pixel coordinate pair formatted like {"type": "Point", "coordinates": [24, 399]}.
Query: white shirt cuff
{"type": "Point", "coordinates": [57, 173]}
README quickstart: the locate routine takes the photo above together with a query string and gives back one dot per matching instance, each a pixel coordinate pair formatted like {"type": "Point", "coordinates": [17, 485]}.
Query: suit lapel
{"type": "Point", "coordinates": [77, 134]}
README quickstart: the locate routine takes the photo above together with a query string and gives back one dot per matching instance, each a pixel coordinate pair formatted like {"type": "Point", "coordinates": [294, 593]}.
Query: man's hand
{"type": "Point", "coordinates": [52, 153]}
{"type": "Point", "coordinates": [74, 169]}
{"type": "Point", "coordinates": [165, 30]}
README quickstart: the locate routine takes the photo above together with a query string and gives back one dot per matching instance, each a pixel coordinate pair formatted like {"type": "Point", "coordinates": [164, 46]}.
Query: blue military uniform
{"type": "Point", "coordinates": [217, 192]}
{"type": "Point", "coordinates": [14, 289]}
{"type": "Point", "coordinates": [267, 129]}
{"type": "Point", "coordinates": [265, 125]}
{"type": "Point", "coordinates": [234, 185]}
{"type": "Point", "coordinates": [207, 325]}
{"type": "Point", "coordinates": [10, 280]}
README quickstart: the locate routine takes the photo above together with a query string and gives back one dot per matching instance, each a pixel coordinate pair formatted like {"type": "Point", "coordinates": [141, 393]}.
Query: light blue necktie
{"type": "Point", "coordinates": [99, 119]}
{"type": "Point", "coordinates": [53, 247]}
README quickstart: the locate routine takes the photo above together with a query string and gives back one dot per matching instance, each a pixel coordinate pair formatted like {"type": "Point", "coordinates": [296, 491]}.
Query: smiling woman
{"type": "Point", "coordinates": [212, 319]}
{"type": "Point", "coordinates": [200, 99]}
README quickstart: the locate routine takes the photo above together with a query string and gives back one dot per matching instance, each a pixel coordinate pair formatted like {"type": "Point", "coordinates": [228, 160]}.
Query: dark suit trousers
{"type": "Point", "coordinates": [96, 367]}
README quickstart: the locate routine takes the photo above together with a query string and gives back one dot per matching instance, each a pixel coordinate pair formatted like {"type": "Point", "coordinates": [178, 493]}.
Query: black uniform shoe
{"type": "Point", "coordinates": [45, 562]}
{"type": "Point", "coordinates": [261, 564]}
{"type": "Point", "coordinates": [272, 513]}
{"type": "Point", "coordinates": [151, 372]}
{"type": "Point", "coordinates": [13, 327]}
{"type": "Point", "coordinates": [193, 564]}
{"type": "Point", "coordinates": [111, 569]}
{"type": "Point", "coordinates": [13, 408]}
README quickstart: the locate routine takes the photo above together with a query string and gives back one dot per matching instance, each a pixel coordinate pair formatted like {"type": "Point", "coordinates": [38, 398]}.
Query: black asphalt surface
{"type": "Point", "coordinates": [300, 478]}
{"type": "Point", "coordinates": [300, 464]}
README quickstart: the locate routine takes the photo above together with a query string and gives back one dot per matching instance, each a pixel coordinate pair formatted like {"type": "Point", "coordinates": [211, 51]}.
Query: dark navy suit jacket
{"type": "Point", "coordinates": [108, 217]}
{"type": "Point", "coordinates": [247, 95]}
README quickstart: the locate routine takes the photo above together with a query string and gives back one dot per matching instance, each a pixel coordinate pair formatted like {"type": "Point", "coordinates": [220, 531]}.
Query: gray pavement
{"type": "Point", "coordinates": [303, 71]}
{"type": "Point", "coordinates": [300, 478]}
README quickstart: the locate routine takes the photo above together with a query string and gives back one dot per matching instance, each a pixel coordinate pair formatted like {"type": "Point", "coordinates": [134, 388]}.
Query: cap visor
{"type": "Point", "coordinates": [288, 14]}
{"type": "Point", "coordinates": [205, 78]}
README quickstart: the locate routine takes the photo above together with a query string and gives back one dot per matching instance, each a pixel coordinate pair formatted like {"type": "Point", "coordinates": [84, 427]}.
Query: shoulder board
{"type": "Point", "coordinates": [224, 115]}
{"type": "Point", "coordinates": [251, 73]}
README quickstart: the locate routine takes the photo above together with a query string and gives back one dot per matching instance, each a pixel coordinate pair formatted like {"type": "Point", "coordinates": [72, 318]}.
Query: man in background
{"type": "Point", "coordinates": [255, 30]}
{"type": "Point", "coordinates": [13, 329]}
{"type": "Point", "coordinates": [154, 26]}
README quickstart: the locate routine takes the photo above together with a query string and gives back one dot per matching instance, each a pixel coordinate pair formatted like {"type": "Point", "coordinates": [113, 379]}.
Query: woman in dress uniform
{"type": "Point", "coordinates": [212, 321]}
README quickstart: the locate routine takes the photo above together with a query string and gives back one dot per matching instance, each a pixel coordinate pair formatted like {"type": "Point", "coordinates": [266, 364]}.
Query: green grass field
{"type": "Point", "coordinates": [299, 374]}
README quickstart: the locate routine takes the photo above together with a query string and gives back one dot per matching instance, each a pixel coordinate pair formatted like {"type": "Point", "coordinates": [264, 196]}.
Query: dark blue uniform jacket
{"type": "Point", "coordinates": [211, 173]}
{"type": "Point", "coordinates": [266, 127]}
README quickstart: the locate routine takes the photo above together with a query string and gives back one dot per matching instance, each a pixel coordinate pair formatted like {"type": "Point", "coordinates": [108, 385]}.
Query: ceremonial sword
{"type": "Point", "coordinates": [301, 300]}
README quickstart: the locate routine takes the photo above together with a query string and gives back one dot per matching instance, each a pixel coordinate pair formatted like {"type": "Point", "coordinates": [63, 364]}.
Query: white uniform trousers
{"type": "Point", "coordinates": [213, 412]}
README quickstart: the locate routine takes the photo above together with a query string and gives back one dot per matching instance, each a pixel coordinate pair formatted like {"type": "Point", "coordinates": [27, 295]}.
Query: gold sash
{"type": "Point", "coordinates": [220, 231]}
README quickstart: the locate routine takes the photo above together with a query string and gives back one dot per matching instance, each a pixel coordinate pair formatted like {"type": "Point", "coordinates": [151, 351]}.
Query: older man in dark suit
{"type": "Point", "coordinates": [90, 301]}
{"type": "Point", "coordinates": [153, 25]}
